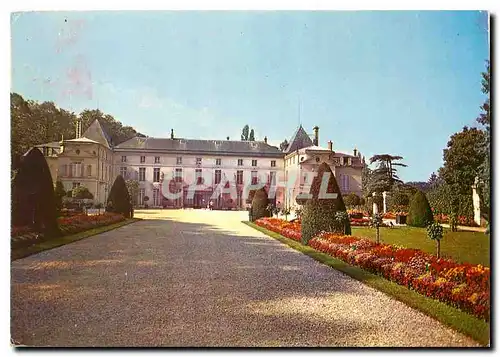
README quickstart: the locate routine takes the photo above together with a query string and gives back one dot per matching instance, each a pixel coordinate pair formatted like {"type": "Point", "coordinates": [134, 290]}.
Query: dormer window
{"type": "Point", "coordinates": [349, 161]}
{"type": "Point", "coordinates": [341, 160]}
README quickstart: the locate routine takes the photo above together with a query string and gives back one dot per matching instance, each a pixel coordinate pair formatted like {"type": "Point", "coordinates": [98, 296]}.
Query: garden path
{"type": "Point", "coordinates": [202, 278]}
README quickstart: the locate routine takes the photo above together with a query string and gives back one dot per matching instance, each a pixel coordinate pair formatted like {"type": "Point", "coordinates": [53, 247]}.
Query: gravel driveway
{"type": "Point", "coordinates": [202, 278]}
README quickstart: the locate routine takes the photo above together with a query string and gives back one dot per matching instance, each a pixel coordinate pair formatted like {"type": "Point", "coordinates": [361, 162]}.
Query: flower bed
{"type": "Point", "coordinates": [465, 286]}
{"type": "Point", "coordinates": [82, 222]}
{"type": "Point", "coordinates": [461, 220]}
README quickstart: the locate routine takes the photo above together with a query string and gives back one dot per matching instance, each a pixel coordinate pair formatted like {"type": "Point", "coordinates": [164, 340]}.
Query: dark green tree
{"type": "Point", "coordinates": [119, 199]}
{"type": "Point", "coordinates": [385, 174]}
{"type": "Point", "coordinates": [34, 201]}
{"type": "Point", "coordinates": [319, 213]}
{"type": "Point", "coordinates": [483, 186]}
{"type": "Point", "coordinates": [351, 200]}
{"type": "Point", "coordinates": [59, 193]}
{"type": "Point", "coordinates": [82, 192]}
{"type": "Point", "coordinates": [284, 145]}
{"type": "Point", "coordinates": [419, 212]}
{"type": "Point", "coordinates": [245, 132]}
{"type": "Point", "coordinates": [260, 204]}
{"type": "Point", "coordinates": [251, 137]}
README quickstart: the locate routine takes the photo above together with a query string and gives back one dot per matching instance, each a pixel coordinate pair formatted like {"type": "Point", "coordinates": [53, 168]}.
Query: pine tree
{"type": "Point", "coordinates": [119, 199]}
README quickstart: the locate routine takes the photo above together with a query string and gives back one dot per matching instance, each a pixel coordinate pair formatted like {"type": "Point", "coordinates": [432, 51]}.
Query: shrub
{"type": "Point", "coordinates": [59, 193]}
{"type": "Point", "coordinates": [351, 200]}
{"type": "Point", "coordinates": [319, 213]}
{"type": "Point", "coordinates": [259, 204]}
{"type": "Point", "coordinates": [82, 192]}
{"type": "Point", "coordinates": [33, 198]}
{"type": "Point", "coordinates": [419, 212]}
{"type": "Point", "coordinates": [119, 199]}
{"type": "Point", "coordinates": [435, 232]}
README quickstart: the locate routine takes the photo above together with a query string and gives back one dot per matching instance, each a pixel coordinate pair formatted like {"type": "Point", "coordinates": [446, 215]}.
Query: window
{"type": "Point", "coordinates": [239, 177]}
{"type": "Point", "coordinates": [179, 160]}
{"type": "Point", "coordinates": [142, 174]}
{"type": "Point", "coordinates": [76, 169]}
{"type": "Point", "coordinates": [124, 159]}
{"type": "Point", "coordinates": [198, 176]}
{"type": "Point", "coordinates": [143, 159]}
{"type": "Point", "coordinates": [198, 161]}
{"type": "Point", "coordinates": [156, 174]}
{"type": "Point", "coordinates": [123, 172]}
{"type": "Point", "coordinates": [218, 162]}
{"type": "Point", "coordinates": [240, 162]}
{"type": "Point", "coordinates": [344, 182]}
{"type": "Point", "coordinates": [254, 163]}
{"type": "Point", "coordinates": [272, 177]}
{"type": "Point", "coordinates": [273, 163]}
{"type": "Point", "coordinates": [341, 160]}
{"type": "Point", "coordinates": [76, 184]}
{"type": "Point", "coordinates": [142, 193]}
{"type": "Point", "coordinates": [349, 161]}
{"type": "Point", "coordinates": [178, 175]}
{"type": "Point", "coordinates": [64, 170]}
{"type": "Point", "coordinates": [218, 175]}
{"type": "Point", "coordinates": [89, 170]}
{"type": "Point", "coordinates": [156, 196]}
{"type": "Point", "coordinates": [254, 178]}
{"type": "Point", "coordinates": [157, 159]}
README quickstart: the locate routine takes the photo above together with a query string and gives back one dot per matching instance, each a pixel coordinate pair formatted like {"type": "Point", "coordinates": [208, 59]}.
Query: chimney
{"type": "Point", "coordinates": [78, 133]}
{"type": "Point", "coordinates": [228, 138]}
{"type": "Point", "coordinates": [265, 139]}
{"type": "Point", "coordinates": [330, 145]}
{"type": "Point", "coordinates": [355, 152]}
{"type": "Point", "coordinates": [316, 136]}
{"type": "Point", "coordinates": [171, 133]}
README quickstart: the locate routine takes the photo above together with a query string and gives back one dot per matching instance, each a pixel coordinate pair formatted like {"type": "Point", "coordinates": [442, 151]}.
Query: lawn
{"type": "Point", "coordinates": [463, 247]}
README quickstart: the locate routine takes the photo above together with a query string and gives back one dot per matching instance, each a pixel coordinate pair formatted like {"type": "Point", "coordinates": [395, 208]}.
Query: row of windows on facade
{"type": "Point", "coordinates": [198, 175]}
{"type": "Point", "coordinates": [218, 162]}
{"type": "Point", "coordinates": [76, 170]}
{"type": "Point", "coordinates": [337, 160]}
{"type": "Point", "coordinates": [178, 201]}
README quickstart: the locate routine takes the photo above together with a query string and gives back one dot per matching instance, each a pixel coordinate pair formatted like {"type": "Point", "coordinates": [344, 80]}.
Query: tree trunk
{"type": "Point", "coordinates": [378, 235]}
{"type": "Point", "coordinates": [438, 248]}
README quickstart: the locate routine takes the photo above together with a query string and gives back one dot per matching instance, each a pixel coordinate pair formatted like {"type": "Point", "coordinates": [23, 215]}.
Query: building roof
{"type": "Point", "coordinates": [216, 147]}
{"type": "Point", "coordinates": [83, 140]}
{"type": "Point", "coordinates": [97, 133]}
{"type": "Point", "coordinates": [299, 140]}
{"type": "Point", "coordinates": [52, 144]}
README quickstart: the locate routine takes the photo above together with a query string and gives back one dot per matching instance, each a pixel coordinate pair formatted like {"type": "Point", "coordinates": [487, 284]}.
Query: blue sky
{"type": "Point", "coordinates": [386, 82]}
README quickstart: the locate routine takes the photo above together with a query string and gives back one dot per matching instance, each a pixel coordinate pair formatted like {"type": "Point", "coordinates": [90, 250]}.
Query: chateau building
{"type": "Point", "coordinates": [176, 164]}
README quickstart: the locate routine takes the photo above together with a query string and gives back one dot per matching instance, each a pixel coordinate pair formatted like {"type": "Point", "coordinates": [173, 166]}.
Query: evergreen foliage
{"type": "Point", "coordinates": [319, 213]}
{"type": "Point", "coordinates": [119, 199]}
{"type": "Point", "coordinates": [419, 213]}
{"type": "Point", "coordinates": [33, 198]}
{"type": "Point", "coordinates": [260, 204]}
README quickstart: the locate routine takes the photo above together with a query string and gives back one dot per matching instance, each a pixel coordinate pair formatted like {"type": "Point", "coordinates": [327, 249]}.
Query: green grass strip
{"type": "Point", "coordinates": [24, 252]}
{"type": "Point", "coordinates": [459, 320]}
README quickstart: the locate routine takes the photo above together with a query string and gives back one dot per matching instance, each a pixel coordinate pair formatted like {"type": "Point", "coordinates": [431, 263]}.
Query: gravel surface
{"type": "Point", "coordinates": [202, 278]}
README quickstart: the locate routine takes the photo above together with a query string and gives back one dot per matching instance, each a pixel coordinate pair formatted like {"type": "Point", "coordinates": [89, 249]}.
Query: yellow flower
{"type": "Point", "coordinates": [473, 298]}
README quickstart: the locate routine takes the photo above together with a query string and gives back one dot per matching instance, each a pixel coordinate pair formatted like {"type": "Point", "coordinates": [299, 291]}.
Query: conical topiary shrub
{"type": "Point", "coordinates": [419, 212]}
{"type": "Point", "coordinates": [259, 204]}
{"type": "Point", "coordinates": [33, 199]}
{"type": "Point", "coordinates": [119, 199]}
{"type": "Point", "coordinates": [319, 212]}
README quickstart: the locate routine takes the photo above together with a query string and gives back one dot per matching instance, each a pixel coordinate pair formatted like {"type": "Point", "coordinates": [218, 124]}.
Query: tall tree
{"type": "Point", "coordinates": [251, 137]}
{"type": "Point", "coordinates": [484, 188]}
{"type": "Point", "coordinates": [245, 132]}
{"type": "Point", "coordinates": [284, 145]}
{"type": "Point", "coordinates": [384, 176]}
{"type": "Point", "coordinates": [462, 158]}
